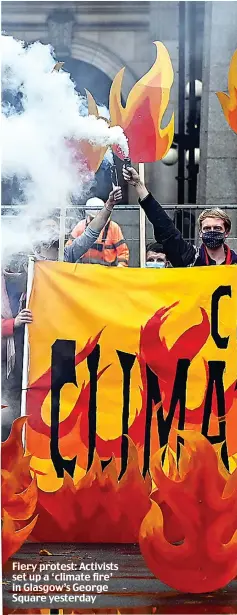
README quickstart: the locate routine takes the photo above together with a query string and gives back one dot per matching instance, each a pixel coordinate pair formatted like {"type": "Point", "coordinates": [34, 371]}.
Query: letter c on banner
{"type": "Point", "coordinates": [221, 291]}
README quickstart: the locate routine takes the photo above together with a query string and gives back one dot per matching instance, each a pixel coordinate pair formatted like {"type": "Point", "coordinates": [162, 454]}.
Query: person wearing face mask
{"type": "Point", "coordinates": [155, 256]}
{"type": "Point", "coordinates": [214, 228]}
{"type": "Point", "coordinates": [14, 317]}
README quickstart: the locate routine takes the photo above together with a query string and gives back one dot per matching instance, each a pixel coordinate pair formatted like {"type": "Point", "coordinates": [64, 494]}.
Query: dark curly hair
{"type": "Point", "coordinates": [155, 247]}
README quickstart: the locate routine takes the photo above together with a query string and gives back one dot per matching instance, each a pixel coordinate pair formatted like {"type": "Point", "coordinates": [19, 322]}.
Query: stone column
{"type": "Point", "coordinates": [218, 143]}
{"type": "Point", "coordinates": [164, 23]}
{"type": "Point", "coordinates": [60, 30]}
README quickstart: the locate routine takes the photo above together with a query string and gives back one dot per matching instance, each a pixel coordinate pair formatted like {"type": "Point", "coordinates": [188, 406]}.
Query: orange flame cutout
{"type": "Point", "coordinates": [229, 103]}
{"type": "Point", "coordinates": [92, 154]}
{"type": "Point", "coordinates": [203, 498]}
{"type": "Point", "coordinates": [19, 492]}
{"type": "Point", "coordinates": [147, 102]}
{"type": "Point", "coordinates": [98, 508]}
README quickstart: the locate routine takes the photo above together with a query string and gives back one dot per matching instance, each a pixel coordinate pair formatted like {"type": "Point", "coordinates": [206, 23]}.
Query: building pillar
{"type": "Point", "coordinates": [217, 184]}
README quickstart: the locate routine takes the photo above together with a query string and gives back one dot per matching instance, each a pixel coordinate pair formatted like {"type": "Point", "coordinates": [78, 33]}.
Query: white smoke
{"type": "Point", "coordinates": [35, 140]}
{"type": "Point", "coordinates": [103, 112]}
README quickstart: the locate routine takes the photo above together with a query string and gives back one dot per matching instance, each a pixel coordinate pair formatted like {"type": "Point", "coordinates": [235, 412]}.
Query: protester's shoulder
{"type": "Point", "coordinates": [233, 257]}
{"type": "Point", "coordinates": [80, 226]}
{"type": "Point", "coordinates": [114, 225]}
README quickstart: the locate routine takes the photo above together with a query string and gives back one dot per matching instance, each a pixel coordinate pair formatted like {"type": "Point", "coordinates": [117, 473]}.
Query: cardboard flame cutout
{"type": "Point", "coordinates": [141, 118]}
{"type": "Point", "coordinates": [19, 493]}
{"type": "Point", "coordinates": [229, 103]}
{"type": "Point", "coordinates": [203, 499]}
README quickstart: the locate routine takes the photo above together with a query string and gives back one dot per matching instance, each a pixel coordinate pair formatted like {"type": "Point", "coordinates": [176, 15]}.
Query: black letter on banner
{"type": "Point", "coordinates": [126, 361]}
{"type": "Point", "coordinates": [178, 395]}
{"type": "Point", "coordinates": [216, 371]}
{"type": "Point", "coordinates": [62, 372]}
{"type": "Point", "coordinates": [92, 363]}
{"type": "Point", "coordinates": [153, 395]}
{"type": "Point", "coordinates": [221, 291]}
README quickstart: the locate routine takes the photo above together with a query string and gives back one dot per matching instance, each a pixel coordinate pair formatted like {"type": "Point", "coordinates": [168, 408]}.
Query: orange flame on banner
{"type": "Point", "coordinates": [153, 351]}
{"type": "Point", "coordinates": [19, 492]}
{"type": "Point", "coordinates": [157, 355]}
{"type": "Point", "coordinates": [98, 508]}
{"type": "Point", "coordinates": [91, 154]}
{"type": "Point", "coordinates": [229, 103]}
{"type": "Point", "coordinates": [73, 431]}
{"type": "Point", "coordinates": [147, 102]}
{"type": "Point", "coordinates": [203, 498]}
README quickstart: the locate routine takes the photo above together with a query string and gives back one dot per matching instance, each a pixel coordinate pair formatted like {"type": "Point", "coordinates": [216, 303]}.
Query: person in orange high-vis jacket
{"type": "Point", "coordinates": [110, 249]}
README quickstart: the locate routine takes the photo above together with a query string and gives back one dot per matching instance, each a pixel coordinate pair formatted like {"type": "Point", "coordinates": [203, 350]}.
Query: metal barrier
{"type": "Point", "coordinates": [127, 216]}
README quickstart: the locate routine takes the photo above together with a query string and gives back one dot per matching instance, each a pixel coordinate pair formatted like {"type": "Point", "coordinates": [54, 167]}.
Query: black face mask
{"type": "Point", "coordinates": [213, 239]}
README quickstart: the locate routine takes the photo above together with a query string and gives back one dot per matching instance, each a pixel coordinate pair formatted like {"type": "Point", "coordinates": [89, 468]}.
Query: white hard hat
{"type": "Point", "coordinates": [94, 203]}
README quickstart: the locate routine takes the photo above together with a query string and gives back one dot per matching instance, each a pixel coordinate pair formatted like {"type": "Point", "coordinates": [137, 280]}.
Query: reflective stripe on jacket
{"type": "Point", "coordinates": [110, 248]}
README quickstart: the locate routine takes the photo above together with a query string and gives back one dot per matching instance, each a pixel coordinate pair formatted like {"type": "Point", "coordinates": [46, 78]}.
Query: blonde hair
{"type": "Point", "coordinates": [215, 213]}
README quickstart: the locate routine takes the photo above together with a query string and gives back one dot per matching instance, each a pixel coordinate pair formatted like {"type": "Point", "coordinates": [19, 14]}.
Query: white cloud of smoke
{"type": "Point", "coordinates": [103, 112]}
{"type": "Point", "coordinates": [35, 140]}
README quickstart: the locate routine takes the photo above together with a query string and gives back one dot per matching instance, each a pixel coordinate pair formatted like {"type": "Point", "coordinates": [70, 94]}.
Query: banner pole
{"type": "Point", "coordinates": [30, 278]}
{"type": "Point", "coordinates": [142, 222]}
{"type": "Point", "coordinates": [62, 230]}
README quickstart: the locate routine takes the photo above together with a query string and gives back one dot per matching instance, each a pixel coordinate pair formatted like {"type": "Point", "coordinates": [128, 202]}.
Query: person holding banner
{"type": "Point", "coordinates": [14, 317]}
{"type": "Point", "coordinates": [47, 247]}
{"type": "Point", "coordinates": [214, 228]}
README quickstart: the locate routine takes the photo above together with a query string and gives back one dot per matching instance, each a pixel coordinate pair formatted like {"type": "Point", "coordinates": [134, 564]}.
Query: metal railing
{"type": "Point", "coordinates": [127, 216]}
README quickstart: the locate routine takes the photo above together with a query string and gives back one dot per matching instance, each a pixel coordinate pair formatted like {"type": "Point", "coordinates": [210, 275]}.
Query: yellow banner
{"type": "Point", "coordinates": [117, 352]}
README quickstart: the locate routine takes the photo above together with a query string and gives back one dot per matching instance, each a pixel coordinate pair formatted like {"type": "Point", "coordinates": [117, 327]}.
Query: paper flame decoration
{"type": "Point", "coordinates": [19, 493]}
{"type": "Point", "coordinates": [229, 103]}
{"type": "Point", "coordinates": [203, 499]}
{"type": "Point", "coordinates": [141, 118]}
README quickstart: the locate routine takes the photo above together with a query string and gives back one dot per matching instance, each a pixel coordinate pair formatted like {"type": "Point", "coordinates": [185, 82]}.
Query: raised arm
{"type": "Point", "coordinates": [85, 241]}
{"type": "Point", "coordinates": [179, 252]}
